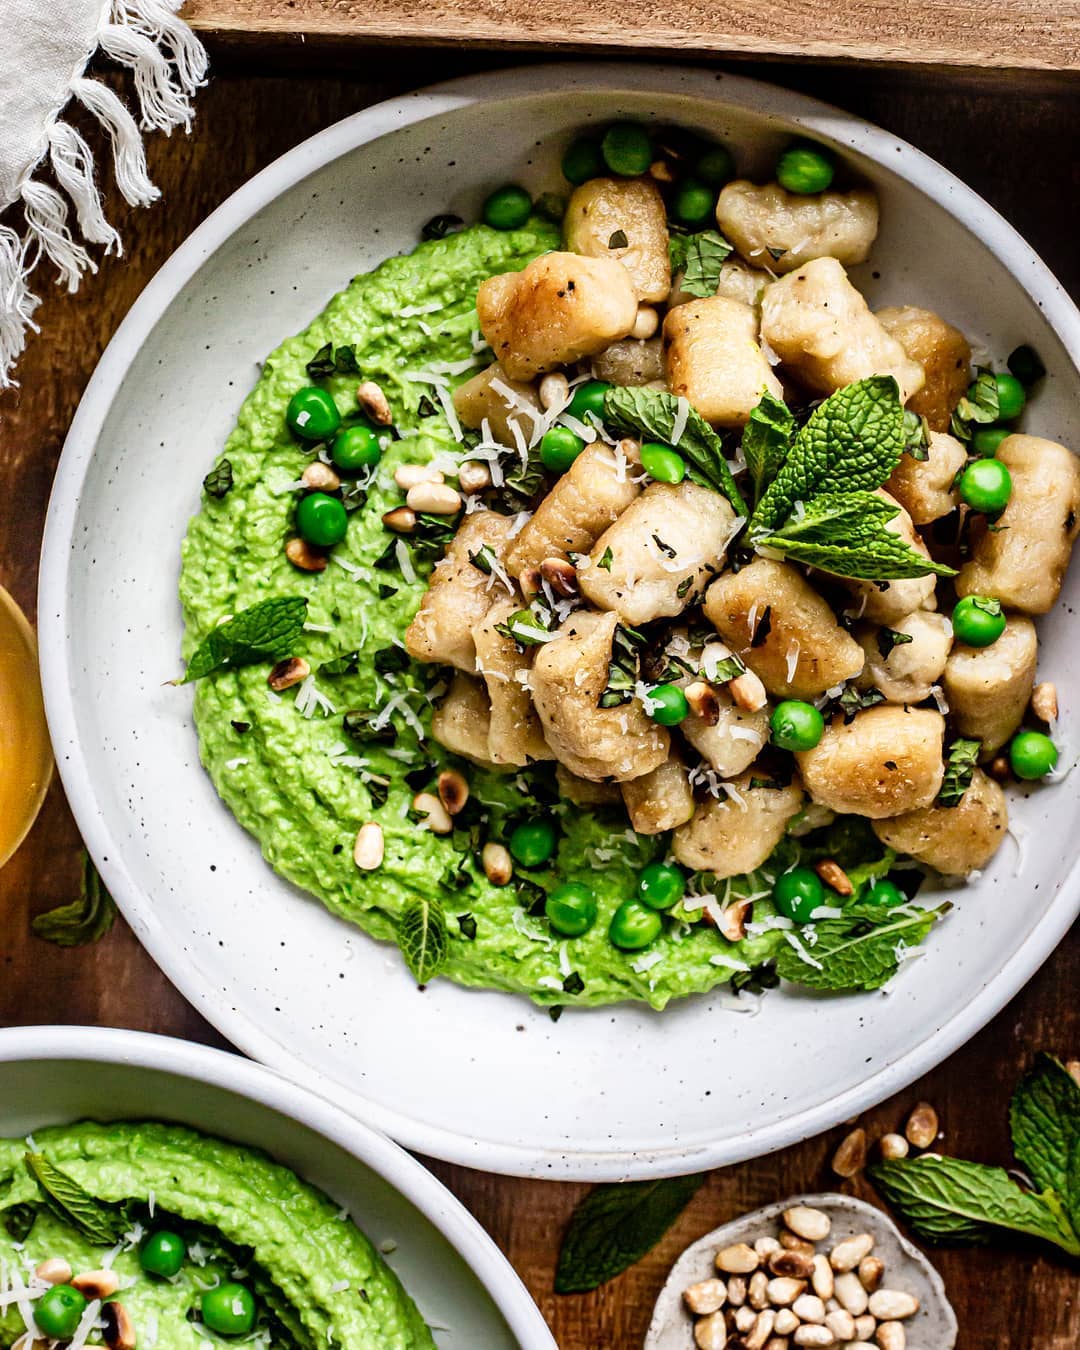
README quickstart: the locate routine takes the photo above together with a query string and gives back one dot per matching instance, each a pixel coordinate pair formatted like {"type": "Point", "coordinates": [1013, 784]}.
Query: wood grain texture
{"type": "Point", "coordinates": [1016, 145]}
{"type": "Point", "coordinates": [1031, 34]}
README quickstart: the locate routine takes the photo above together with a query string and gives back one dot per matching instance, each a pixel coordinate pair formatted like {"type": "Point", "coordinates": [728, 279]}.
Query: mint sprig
{"type": "Point", "coordinates": [423, 937]}
{"type": "Point", "coordinates": [1045, 1120]}
{"type": "Point", "coordinates": [98, 1222]}
{"type": "Point", "coordinates": [766, 440]}
{"type": "Point", "coordinates": [862, 950]}
{"type": "Point", "coordinates": [704, 256]}
{"type": "Point", "coordinates": [264, 631]}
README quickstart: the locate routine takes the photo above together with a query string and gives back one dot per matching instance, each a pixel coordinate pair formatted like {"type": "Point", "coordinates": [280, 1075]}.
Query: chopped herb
{"type": "Point", "coordinates": [699, 257]}
{"type": "Point", "coordinates": [433, 536]}
{"type": "Point", "coordinates": [771, 784]}
{"type": "Point", "coordinates": [960, 765]}
{"type": "Point", "coordinates": [426, 407]}
{"type": "Point", "coordinates": [617, 239]}
{"type": "Point", "coordinates": [521, 482]}
{"type": "Point", "coordinates": [607, 559]}
{"type": "Point", "coordinates": [378, 789]}
{"type": "Point", "coordinates": [241, 727]}
{"type": "Point", "coordinates": [387, 559]}
{"type": "Point", "coordinates": [730, 668]}
{"type": "Point", "coordinates": [19, 1220]}
{"type": "Point", "coordinates": [755, 981]}
{"type": "Point", "coordinates": [555, 1011]}
{"type": "Point", "coordinates": [390, 659]}
{"type": "Point", "coordinates": [353, 496]}
{"type": "Point", "coordinates": [419, 778]}
{"type": "Point", "coordinates": [888, 638]}
{"type": "Point", "coordinates": [573, 984]}
{"type": "Point", "coordinates": [665, 549]}
{"type": "Point", "coordinates": [357, 723]}
{"type": "Point", "coordinates": [525, 626]}
{"type": "Point", "coordinates": [916, 435]}
{"type": "Point", "coordinates": [979, 406]}
{"type": "Point", "coordinates": [683, 587]}
{"type": "Point", "coordinates": [348, 663]}
{"type": "Point", "coordinates": [385, 591]}
{"type": "Point", "coordinates": [623, 667]}
{"type": "Point", "coordinates": [483, 559]}
{"type": "Point", "coordinates": [1025, 363]}
{"type": "Point", "coordinates": [331, 360]}
{"type": "Point", "coordinates": [438, 227]}
{"type": "Point", "coordinates": [219, 481]}
{"type": "Point", "coordinates": [265, 631]}
{"type": "Point", "coordinates": [467, 926]}
{"type": "Point", "coordinates": [853, 701]}
{"type": "Point", "coordinates": [775, 253]}
{"type": "Point", "coordinates": [763, 627]}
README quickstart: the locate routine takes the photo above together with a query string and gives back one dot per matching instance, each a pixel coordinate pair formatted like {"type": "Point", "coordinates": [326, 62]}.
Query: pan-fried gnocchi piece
{"type": "Point", "coordinates": [908, 673]}
{"type": "Point", "coordinates": [957, 839]}
{"type": "Point", "coordinates": [582, 792]}
{"type": "Point", "coordinates": [988, 687]}
{"type": "Point", "coordinates": [590, 496]}
{"type": "Point", "coordinates": [630, 362]}
{"type": "Point", "coordinates": [897, 598]}
{"type": "Point", "coordinates": [514, 735]}
{"type": "Point", "coordinates": [569, 675]}
{"type": "Point", "coordinates": [942, 351]}
{"type": "Point", "coordinates": [770, 615]}
{"type": "Point", "coordinates": [601, 208]}
{"type": "Point", "coordinates": [884, 762]}
{"type": "Point", "coordinates": [462, 720]}
{"type": "Point", "coordinates": [823, 331]}
{"type": "Point", "coordinates": [925, 487]}
{"type": "Point", "coordinates": [660, 800]}
{"type": "Point", "coordinates": [733, 741]}
{"type": "Point", "coordinates": [1023, 560]}
{"type": "Point", "coordinates": [458, 595]}
{"type": "Point", "coordinates": [558, 309]}
{"type": "Point", "coordinates": [773, 228]}
{"type": "Point", "coordinates": [714, 360]}
{"type": "Point", "coordinates": [736, 834]}
{"type": "Point", "coordinates": [663, 549]}
{"type": "Point", "coordinates": [476, 402]}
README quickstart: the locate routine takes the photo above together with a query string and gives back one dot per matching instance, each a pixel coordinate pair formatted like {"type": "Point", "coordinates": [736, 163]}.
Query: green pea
{"type": "Point", "coordinates": [693, 202]}
{"type": "Point", "coordinates": [627, 149]}
{"type": "Point", "coordinates": [1032, 755]}
{"type": "Point", "coordinates": [661, 885]}
{"type": "Point", "coordinates": [796, 725]}
{"type": "Point", "coordinates": [508, 208]}
{"type": "Point", "coordinates": [978, 620]}
{"type": "Point", "coordinates": [662, 462]}
{"type": "Point", "coordinates": [715, 166]}
{"type": "Point", "coordinates": [798, 892]}
{"type": "Point", "coordinates": [1011, 397]}
{"type": "Point", "coordinates": [559, 447]}
{"type": "Point", "coordinates": [571, 909]}
{"type": "Point", "coordinates": [588, 398]}
{"type": "Point", "coordinates": [59, 1311]}
{"type": "Point", "coordinates": [229, 1309]}
{"type": "Point", "coordinates": [986, 440]}
{"type": "Point", "coordinates": [321, 519]}
{"type": "Point", "coordinates": [312, 414]}
{"type": "Point", "coordinates": [533, 842]}
{"type": "Point", "coordinates": [885, 892]}
{"type": "Point", "coordinates": [986, 486]}
{"type": "Point", "coordinates": [356, 447]}
{"type": "Point", "coordinates": [668, 705]}
{"type": "Point", "coordinates": [582, 160]}
{"type": "Point", "coordinates": [1026, 364]}
{"type": "Point", "coordinates": [634, 925]}
{"type": "Point", "coordinates": [163, 1253]}
{"type": "Point", "coordinates": [805, 169]}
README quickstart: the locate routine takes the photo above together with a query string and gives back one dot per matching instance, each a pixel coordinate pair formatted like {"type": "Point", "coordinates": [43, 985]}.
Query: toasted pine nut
{"type": "Point", "coordinates": [437, 499]}
{"type": "Point", "coordinates": [96, 1283]}
{"type": "Point", "coordinates": [893, 1146]}
{"type": "Point", "coordinates": [117, 1330]}
{"type": "Point", "coordinates": [809, 1308]}
{"type": "Point", "coordinates": [1044, 701]}
{"type": "Point", "coordinates": [783, 1291]}
{"type": "Point", "coordinates": [554, 390]}
{"type": "Point", "coordinates": [704, 702]}
{"type": "Point", "coordinates": [408, 476]}
{"type": "Point", "coordinates": [891, 1336]}
{"type": "Point", "coordinates": [850, 1294]}
{"type": "Point", "coordinates": [401, 520]}
{"type": "Point", "coordinates": [777, 1342]}
{"type": "Point", "coordinates": [437, 818]}
{"type": "Point", "coordinates": [811, 1224]}
{"type": "Point", "coordinates": [834, 876]}
{"type": "Point", "coordinates": [922, 1126]}
{"type": "Point", "coordinates": [529, 581]}
{"type": "Point", "coordinates": [305, 556]}
{"type": "Point", "coordinates": [765, 1246]}
{"type": "Point", "coordinates": [791, 1243]}
{"type": "Point", "coordinates": [710, 1333]}
{"type": "Point", "coordinates": [757, 1291]}
{"type": "Point", "coordinates": [497, 864]}
{"type": "Point", "coordinates": [893, 1305]}
{"type": "Point", "coordinates": [846, 1255]}
{"type": "Point", "coordinates": [732, 925]}
{"type": "Point", "coordinates": [293, 670]}
{"type": "Point", "coordinates": [561, 576]}
{"type": "Point", "coordinates": [737, 1290]}
{"type": "Point", "coordinates": [761, 1329]}
{"type": "Point", "coordinates": [809, 1334]}
{"type": "Point", "coordinates": [744, 1318]}
{"type": "Point", "coordinates": [841, 1324]}
{"type": "Point", "coordinates": [739, 1259]}
{"type": "Point", "coordinates": [369, 847]}
{"type": "Point", "coordinates": [708, 1296]}
{"type": "Point", "coordinates": [661, 171]}
{"type": "Point", "coordinates": [320, 477]}
{"type": "Point", "coordinates": [822, 1278]}
{"type": "Point", "coordinates": [786, 1322]}
{"type": "Point", "coordinates": [864, 1327]}
{"type": "Point", "coordinates": [453, 790]}
{"type": "Point", "coordinates": [473, 476]}
{"type": "Point", "coordinates": [796, 1264]}
{"type": "Point", "coordinates": [646, 322]}
{"type": "Point", "coordinates": [54, 1270]}
{"type": "Point", "coordinates": [850, 1157]}
{"type": "Point", "coordinates": [748, 692]}
{"type": "Point", "coordinates": [1000, 769]}
{"type": "Point", "coordinates": [374, 402]}
{"type": "Point", "coordinates": [871, 1272]}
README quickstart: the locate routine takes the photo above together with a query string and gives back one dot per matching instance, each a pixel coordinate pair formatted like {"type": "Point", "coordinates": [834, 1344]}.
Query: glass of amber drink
{"type": "Point", "coordinates": [25, 755]}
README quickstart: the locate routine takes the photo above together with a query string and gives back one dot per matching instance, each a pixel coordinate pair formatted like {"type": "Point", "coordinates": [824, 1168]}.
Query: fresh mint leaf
{"type": "Point", "coordinates": [979, 406]}
{"type": "Point", "coordinates": [1045, 1119]}
{"type": "Point", "coordinates": [80, 921]}
{"type": "Point", "coordinates": [952, 1200]}
{"type": "Point", "coordinates": [467, 925]}
{"type": "Point", "coordinates": [265, 631]}
{"type": "Point", "coordinates": [960, 764]}
{"type": "Point", "coordinates": [652, 413]}
{"type": "Point", "coordinates": [605, 562]}
{"type": "Point", "coordinates": [423, 938]}
{"type": "Point", "coordinates": [677, 250]}
{"type": "Point", "coordinates": [19, 1220]}
{"type": "Point", "coordinates": [219, 481]}
{"type": "Point", "coordinates": [888, 638]}
{"type": "Point", "coordinates": [623, 667]}
{"type": "Point", "coordinates": [615, 1225]}
{"type": "Point", "coordinates": [851, 441]}
{"type": "Point", "coordinates": [854, 700]}
{"type": "Point", "coordinates": [766, 440]}
{"type": "Point", "coordinates": [527, 627]}
{"type": "Point", "coordinates": [98, 1222]}
{"type": "Point", "coordinates": [844, 533]}
{"type": "Point", "coordinates": [357, 723]}
{"type": "Point", "coordinates": [916, 436]}
{"type": "Point", "coordinates": [348, 663]}
{"type": "Point", "coordinates": [706, 252]}
{"type": "Point", "coordinates": [484, 559]}
{"type": "Point", "coordinates": [858, 951]}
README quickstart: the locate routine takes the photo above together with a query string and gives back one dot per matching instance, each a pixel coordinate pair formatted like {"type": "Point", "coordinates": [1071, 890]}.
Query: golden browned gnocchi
{"type": "Point", "coordinates": [604, 211]}
{"type": "Point", "coordinates": [988, 687]}
{"type": "Point", "coordinates": [953, 840]}
{"type": "Point", "coordinates": [782, 230]}
{"type": "Point", "coordinates": [660, 800]}
{"type": "Point", "coordinates": [907, 660]}
{"type": "Point", "coordinates": [514, 732]}
{"type": "Point", "coordinates": [941, 350]}
{"type": "Point", "coordinates": [714, 360]}
{"type": "Point", "coordinates": [493, 397]}
{"type": "Point", "coordinates": [926, 488]}
{"type": "Point", "coordinates": [734, 834]}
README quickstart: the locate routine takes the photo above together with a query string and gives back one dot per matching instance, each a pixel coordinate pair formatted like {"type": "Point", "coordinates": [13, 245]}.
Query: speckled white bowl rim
{"type": "Point", "coordinates": [231, 1073]}
{"type": "Point", "coordinates": [61, 682]}
{"type": "Point", "coordinates": [670, 1317]}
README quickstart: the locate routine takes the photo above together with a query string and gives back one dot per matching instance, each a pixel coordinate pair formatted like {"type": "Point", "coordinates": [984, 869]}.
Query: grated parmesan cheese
{"type": "Point", "coordinates": [801, 952]}
{"type": "Point", "coordinates": [728, 962]}
{"type": "Point", "coordinates": [404, 561]}
{"type": "Point", "coordinates": [682, 414]}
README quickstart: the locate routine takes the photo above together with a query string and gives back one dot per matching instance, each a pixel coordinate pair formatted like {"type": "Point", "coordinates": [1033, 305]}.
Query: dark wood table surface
{"type": "Point", "coordinates": [1015, 138]}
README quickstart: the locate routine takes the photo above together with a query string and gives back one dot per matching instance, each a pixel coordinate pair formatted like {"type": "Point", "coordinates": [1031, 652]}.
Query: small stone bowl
{"type": "Point", "coordinates": [932, 1328]}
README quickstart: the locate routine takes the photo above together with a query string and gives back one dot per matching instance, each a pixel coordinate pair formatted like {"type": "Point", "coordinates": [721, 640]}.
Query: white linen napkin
{"type": "Point", "coordinates": [46, 166]}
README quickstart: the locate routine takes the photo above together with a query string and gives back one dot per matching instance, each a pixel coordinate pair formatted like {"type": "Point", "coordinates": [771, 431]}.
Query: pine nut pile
{"type": "Point", "coordinates": [783, 1292]}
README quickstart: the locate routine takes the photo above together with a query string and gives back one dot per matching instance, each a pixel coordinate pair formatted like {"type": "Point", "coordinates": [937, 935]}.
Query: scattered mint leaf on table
{"type": "Point", "coordinates": [423, 937]}
{"type": "Point", "coordinates": [615, 1225]}
{"type": "Point", "coordinates": [80, 921]}
{"type": "Point", "coordinates": [860, 951]}
{"type": "Point", "coordinates": [960, 762]}
{"type": "Point", "coordinates": [96, 1221]}
{"type": "Point", "coordinates": [766, 440]}
{"type": "Point", "coordinates": [705, 254]}
{"type": "Point", "coordinates": [264, 631]}
{"type": "Point", "coordinates": [1045, 1121]}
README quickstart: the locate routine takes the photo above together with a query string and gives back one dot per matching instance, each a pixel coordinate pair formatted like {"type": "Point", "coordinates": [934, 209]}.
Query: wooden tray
{"type": "Point", "coordinates": [1028, 34]}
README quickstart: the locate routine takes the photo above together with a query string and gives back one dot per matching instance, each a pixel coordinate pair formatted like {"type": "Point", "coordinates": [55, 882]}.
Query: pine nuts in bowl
{"type": "Point", "coordinates": [815, 1270]}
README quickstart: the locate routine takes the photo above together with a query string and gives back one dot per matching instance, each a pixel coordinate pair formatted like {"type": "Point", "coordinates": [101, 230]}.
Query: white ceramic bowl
{"type": "Point", "coordinates": [483, 1078]}
{"type": "Point", "coordinates": [461, 1282]}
